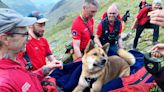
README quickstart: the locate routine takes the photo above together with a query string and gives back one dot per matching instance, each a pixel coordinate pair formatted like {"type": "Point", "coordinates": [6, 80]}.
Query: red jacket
{"type": "Point", "coordinates": [142, 16]}
{"type": "Point", "coordinates": [15, 78]}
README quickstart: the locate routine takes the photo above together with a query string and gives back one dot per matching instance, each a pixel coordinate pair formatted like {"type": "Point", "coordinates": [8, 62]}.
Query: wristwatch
{"type": "Point", "coordinates": [45, 70]}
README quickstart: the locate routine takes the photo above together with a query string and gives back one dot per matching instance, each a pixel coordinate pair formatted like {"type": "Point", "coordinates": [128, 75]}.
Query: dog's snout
{"type": "Point", "coordinates": [103, 61]}
{"type": "Point", "coordinates": [95, 65]}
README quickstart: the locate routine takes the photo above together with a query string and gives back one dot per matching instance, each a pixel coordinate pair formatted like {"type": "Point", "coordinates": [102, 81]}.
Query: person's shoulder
{"type": "Point", "coordinates": [31, 39]}
{"type": "Point", "coordinates": [43, 39]}
{"type": "Point", "coordinates": [77, 19]}
{"type": "Point", "coordinates": [146, 8]}
{"type": "Point", "coordinates": [77, 22]}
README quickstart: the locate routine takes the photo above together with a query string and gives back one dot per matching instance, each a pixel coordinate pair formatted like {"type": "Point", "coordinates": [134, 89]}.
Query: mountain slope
{"type": "Point", "coordinates": [57, 5]}
{"type": "Point", "coordinates": [22, 6]}
{"type": "Point", "coordinates": [62, 9]}
{"type": "Point", "coordinates": [2, 5]}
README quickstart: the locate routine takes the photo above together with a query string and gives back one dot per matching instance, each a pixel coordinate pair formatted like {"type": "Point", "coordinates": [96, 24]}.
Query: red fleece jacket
{"type": "Point", "coordinates": [15, 78]}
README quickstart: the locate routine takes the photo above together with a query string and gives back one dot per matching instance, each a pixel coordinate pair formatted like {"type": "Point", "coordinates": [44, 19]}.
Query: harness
{"type": "Point", "coordinates": [90, 81]}
{"type": "Point", "coordinates": [107, 36]}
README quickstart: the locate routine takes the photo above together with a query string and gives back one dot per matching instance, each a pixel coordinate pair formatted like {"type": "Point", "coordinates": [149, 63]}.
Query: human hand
{"type": "Point", "coordinates": [157, 17]}
{"type": "Point", "coordinates": [55, 64]}
{"type": "Point", "coordinates": [157, 50]}
{"type": "Point", "coordinates": [98, 45]}
{"type": "Point", "coordinates": [133, 28]}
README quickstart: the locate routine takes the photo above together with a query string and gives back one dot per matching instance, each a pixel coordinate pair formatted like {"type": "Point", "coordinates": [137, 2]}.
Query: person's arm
{"type": "Point", "coordinates": [6, 87]}
{"type": "Point", "coordinates": [139, 17]}
{"type": "Point", "coordinates": [76, 47]}
{"type": "Point", "coordinates": [135, 24]}
{"type": "Point", "coordinates": [45, 70]}
{"type": "Point", "coordinates": [55, 63]}
{"type": "Point", "coordinates": [97, 41]}
{"type": "Point", "coordinates": [7, 84]}
{"type": "Point", "coordinates": [98, 34]}
{"type": "Point", "coordinates": [157, 17]}
{"type": "Point", "coordinates": [76, 38]}
{"type": "Point", "coordinates": [51, 58]}
{"type": "Point", "coordinates": [120, 45]}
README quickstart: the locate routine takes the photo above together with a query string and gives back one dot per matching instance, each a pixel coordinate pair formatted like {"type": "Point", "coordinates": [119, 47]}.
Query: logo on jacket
{"type": "Point", "coordinates": [86, 29]}
{"type": "Point", "coordinates": [26, 87]}
{"type": "Point", "coordinates": [74, 33]}
{"type": "Point", "coordinates": [36, 48]}
{"type": "Point", "coordinates": [106, 31]}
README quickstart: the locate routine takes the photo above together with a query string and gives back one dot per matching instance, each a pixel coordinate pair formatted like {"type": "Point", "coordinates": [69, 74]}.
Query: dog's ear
{"type": "Point", "coordinates": [106, 47]}
{"type": "Point", "coordinates": [89, 46]}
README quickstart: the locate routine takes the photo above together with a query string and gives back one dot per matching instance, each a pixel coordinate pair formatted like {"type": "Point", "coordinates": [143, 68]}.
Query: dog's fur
{"type": "Point", "coordinates": [97, 65]}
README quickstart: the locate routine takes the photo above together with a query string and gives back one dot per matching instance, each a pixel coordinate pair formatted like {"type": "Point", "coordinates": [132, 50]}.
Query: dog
{"type": "Point", "coordinates": [98, 68]}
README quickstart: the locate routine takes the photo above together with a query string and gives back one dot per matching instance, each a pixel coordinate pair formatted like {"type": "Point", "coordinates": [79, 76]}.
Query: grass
{"type": "Point", "coordinates": [66, 23]}
{"type": "Point", "coordinates": [59, 35]}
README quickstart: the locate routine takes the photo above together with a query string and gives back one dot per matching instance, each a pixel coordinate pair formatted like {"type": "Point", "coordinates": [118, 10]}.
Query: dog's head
{"type": "Point", "coordinates": [94, 58]}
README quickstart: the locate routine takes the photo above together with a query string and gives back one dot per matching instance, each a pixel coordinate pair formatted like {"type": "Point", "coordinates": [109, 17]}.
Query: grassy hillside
{"type": "Point", "coordinates": [59, 35]}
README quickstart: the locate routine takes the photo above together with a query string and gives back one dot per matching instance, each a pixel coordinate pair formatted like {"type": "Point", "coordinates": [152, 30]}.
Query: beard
{"type": "Point", "coordinates": [90, 16]}
{"type": "Point", "coordinates": [38, 34]}
{"type": "Point", "coordinates": [111, 20]}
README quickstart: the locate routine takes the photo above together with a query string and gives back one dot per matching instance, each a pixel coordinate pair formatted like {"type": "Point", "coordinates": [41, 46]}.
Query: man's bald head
{"type": "Point", "coordinates": [113, 8]}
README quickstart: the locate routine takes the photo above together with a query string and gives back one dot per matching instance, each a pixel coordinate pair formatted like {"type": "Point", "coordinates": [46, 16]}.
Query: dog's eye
{"type": "Point", "coordinates": [103, 55]}
{"type": "Point", "coordinates": [95, 54]}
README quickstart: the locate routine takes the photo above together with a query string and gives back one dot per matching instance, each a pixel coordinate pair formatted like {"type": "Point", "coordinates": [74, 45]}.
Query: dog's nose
{"type": "Point", "coordinates": [103, 61]}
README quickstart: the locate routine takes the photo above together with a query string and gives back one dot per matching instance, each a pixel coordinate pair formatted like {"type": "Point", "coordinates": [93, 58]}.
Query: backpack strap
{"type": "Point", "coordinates": [105, 25]}
{"type": "Point", "coordinates": [29, 64]}
{"type": "Point", "coordinates": [91, 34]}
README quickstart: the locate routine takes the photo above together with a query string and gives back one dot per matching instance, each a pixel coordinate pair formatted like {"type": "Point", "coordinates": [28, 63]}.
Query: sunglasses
{"type": "Point", "coordinates": [23, 34]}
{"type": "Point", "coordinates": [112, 13]}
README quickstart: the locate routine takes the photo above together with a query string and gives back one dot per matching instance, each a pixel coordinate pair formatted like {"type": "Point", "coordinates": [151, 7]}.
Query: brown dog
{"type": "Point", "coordinates": [99, 69]}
